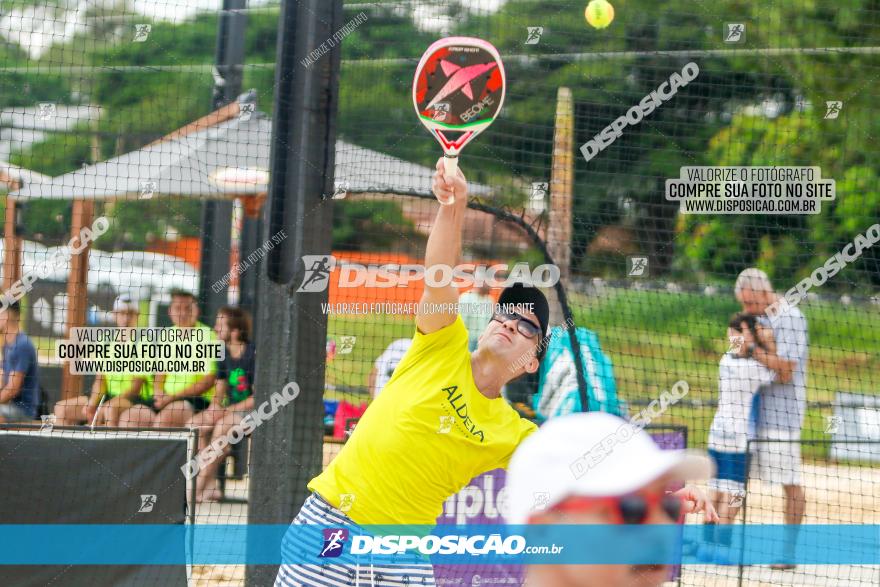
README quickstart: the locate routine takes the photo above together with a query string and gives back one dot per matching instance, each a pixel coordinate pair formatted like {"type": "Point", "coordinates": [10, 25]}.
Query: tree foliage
{"type": "Point", "coordinates": [745, 108]}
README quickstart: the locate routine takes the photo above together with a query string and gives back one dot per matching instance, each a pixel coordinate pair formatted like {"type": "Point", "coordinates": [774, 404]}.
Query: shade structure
{"type": "Point", "coordinates": [222, 161]}
{"type": "Point", "coordinates": [13, 174]}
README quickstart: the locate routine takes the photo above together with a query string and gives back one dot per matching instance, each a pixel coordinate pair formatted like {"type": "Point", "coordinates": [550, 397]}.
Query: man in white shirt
{"type": "Point", "coordinates": [783, 403]}
{"type": "Point", "coordinates": [385, 364]}
{"type": "Point", "coordinates": [476, 308]}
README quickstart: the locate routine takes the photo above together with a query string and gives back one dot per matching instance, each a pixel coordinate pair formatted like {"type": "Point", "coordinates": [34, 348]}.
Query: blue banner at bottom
{"type": "Point", "coordinates": [448, 545]}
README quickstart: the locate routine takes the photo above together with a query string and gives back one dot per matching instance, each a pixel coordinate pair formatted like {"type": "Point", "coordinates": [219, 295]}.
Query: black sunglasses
{"type": "Point", "coordinates": [629, 509]}
{"type": "Point", "coordinates": [523, 325]}
{"type": "Point", "coordinates": [634, 508]}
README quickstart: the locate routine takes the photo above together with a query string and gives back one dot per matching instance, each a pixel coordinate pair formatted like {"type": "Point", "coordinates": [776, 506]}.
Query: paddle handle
{"type": "Point", "coordinates": [450, 163]}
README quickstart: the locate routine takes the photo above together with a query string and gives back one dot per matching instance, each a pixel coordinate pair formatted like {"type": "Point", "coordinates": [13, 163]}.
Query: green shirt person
{"type": "Point", "coordinates": [177, 397]}
{"type": "Point", "coordinates": [113, 394]}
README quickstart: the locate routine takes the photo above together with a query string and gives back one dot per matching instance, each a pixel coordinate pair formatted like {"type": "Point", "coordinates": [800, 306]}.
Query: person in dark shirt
{"type": "Point", "coordinates": [233, 396]}
{"type": "Point", "coordinates": [19, 385]}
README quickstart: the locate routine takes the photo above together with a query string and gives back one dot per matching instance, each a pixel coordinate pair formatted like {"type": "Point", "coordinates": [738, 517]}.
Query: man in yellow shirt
{"type": "Point", "coordinates": [439, 422]}
{"type": "Point", "coordinates": [177, 397]}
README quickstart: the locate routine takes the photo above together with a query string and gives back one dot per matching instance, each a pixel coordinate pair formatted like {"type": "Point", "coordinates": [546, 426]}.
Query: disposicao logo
{"type": "Point", "coordinates": [334, 539]}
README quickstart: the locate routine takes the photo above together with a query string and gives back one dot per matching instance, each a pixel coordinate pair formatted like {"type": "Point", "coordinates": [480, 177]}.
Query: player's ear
{"type": "Point", "coordinates": [532, 365]}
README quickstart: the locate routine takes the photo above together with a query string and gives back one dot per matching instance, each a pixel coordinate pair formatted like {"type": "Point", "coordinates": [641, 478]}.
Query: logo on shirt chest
{"type": "Point", "coordinates": [456, 400]}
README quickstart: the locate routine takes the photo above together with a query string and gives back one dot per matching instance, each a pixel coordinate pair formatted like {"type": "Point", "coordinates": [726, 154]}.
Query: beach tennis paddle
{"type": "Point", "coordinates": [458, 91]}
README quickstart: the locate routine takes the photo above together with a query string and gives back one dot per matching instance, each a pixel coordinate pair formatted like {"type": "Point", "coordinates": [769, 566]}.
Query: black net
{"type": "Point", "coordinates": [636, 171]}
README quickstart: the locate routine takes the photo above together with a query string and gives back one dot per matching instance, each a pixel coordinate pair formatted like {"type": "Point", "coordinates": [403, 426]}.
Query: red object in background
{"type": "Point", "coordinates": [345, 412]}
{"type": "Point", "coordinates": [331, 349]}
{"type": "Point", "coordinates": [187, 248]}
{"type": "Point", "coordinates": [410, 294]}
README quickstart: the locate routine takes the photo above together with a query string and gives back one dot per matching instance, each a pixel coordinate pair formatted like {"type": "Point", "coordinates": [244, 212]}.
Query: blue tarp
{"type": "Point", "coordinates": [557, 381]}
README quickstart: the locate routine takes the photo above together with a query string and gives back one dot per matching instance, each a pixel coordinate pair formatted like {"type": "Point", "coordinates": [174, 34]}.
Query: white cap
{"type": "Point", "coordinates": [590, 455]}
{"type": "Point", "coordinates": [124, 303]}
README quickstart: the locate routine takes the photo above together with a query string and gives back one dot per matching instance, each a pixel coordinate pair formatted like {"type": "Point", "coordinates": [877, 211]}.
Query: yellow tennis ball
{"type": "Point", "coordinates": [599, 13]}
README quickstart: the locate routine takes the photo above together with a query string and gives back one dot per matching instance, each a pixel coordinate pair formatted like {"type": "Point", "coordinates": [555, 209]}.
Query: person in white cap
{"type": "Point", "coordinates": [588, 468]}
{"type": "Point", "coordinates": [119, 391]}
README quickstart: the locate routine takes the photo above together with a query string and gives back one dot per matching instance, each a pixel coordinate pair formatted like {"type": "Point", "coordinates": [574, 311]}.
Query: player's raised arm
{"type": "Point", "coordinates": [438, 304]}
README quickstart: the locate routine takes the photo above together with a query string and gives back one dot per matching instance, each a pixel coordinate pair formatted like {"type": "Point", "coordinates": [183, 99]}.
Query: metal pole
{"type": "Point", "coordinates": [216, 239]}
{"type": "Point", "coordinates": [11, 240]}
{"type": "Point", "coordinates": [288, 447]}
{"type": "Point", "coordinates": [740, 573]}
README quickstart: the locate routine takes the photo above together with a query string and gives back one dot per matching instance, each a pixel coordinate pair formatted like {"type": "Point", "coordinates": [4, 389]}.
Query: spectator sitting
{"type": "Point", "coordinates": [177, 397]}
{"type": "Point", "coordinates": [19, 394]}
{"type": "Point", "coordinates": [120, 391]}
{"type": "Point", "coordinates": [233, 394]}
{"type": "Point", "coordinates": [385, 364]}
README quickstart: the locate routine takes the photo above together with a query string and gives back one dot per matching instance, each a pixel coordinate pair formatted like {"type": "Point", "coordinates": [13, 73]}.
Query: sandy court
{"type": "Point", "coordinates": [233, 513]}
{"type": "Point", "coordinates": [836, 494]}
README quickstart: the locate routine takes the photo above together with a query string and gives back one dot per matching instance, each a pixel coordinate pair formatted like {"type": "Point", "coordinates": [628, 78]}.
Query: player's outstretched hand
{"type": "Point", "coordinates": [694, 501]}
{"type": "Point", "coordinates": [449, 192]}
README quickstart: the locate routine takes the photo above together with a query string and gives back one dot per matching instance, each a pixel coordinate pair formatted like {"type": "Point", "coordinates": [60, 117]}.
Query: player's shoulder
{"type": "Point", "coordinates": [22, 344]}
{"type": "Point", "coordinates": [528, 427]}
{"type": "Point", "coordinates": [207, 329]}
{"type": "Point", "coordinates": [448, 343]}
{"type": "Point", "coordinates": [791, 315]}
{"type": "Point", "coordinates": [450, 330]}
{"type": "Point", "coordinates": [525, 428]}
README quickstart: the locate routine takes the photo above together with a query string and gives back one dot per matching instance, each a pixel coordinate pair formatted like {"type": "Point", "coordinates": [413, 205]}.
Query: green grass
{"type": "Point", "coordinates": [699, 418]}
{"type": "Point", "coordinates": [657, 338]}
{"type": "Point", "coordinates": [373, 334]}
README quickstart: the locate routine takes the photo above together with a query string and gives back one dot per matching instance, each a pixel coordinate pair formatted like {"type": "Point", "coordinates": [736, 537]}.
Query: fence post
{"type": "Point", "coordinates": [287, 449]}
{"type": "Point", "coordinates": [561, 187]}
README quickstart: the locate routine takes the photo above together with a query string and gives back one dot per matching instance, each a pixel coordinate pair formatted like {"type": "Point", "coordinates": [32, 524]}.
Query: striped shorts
{"type": "Point", "coordinates": [411, 572]}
